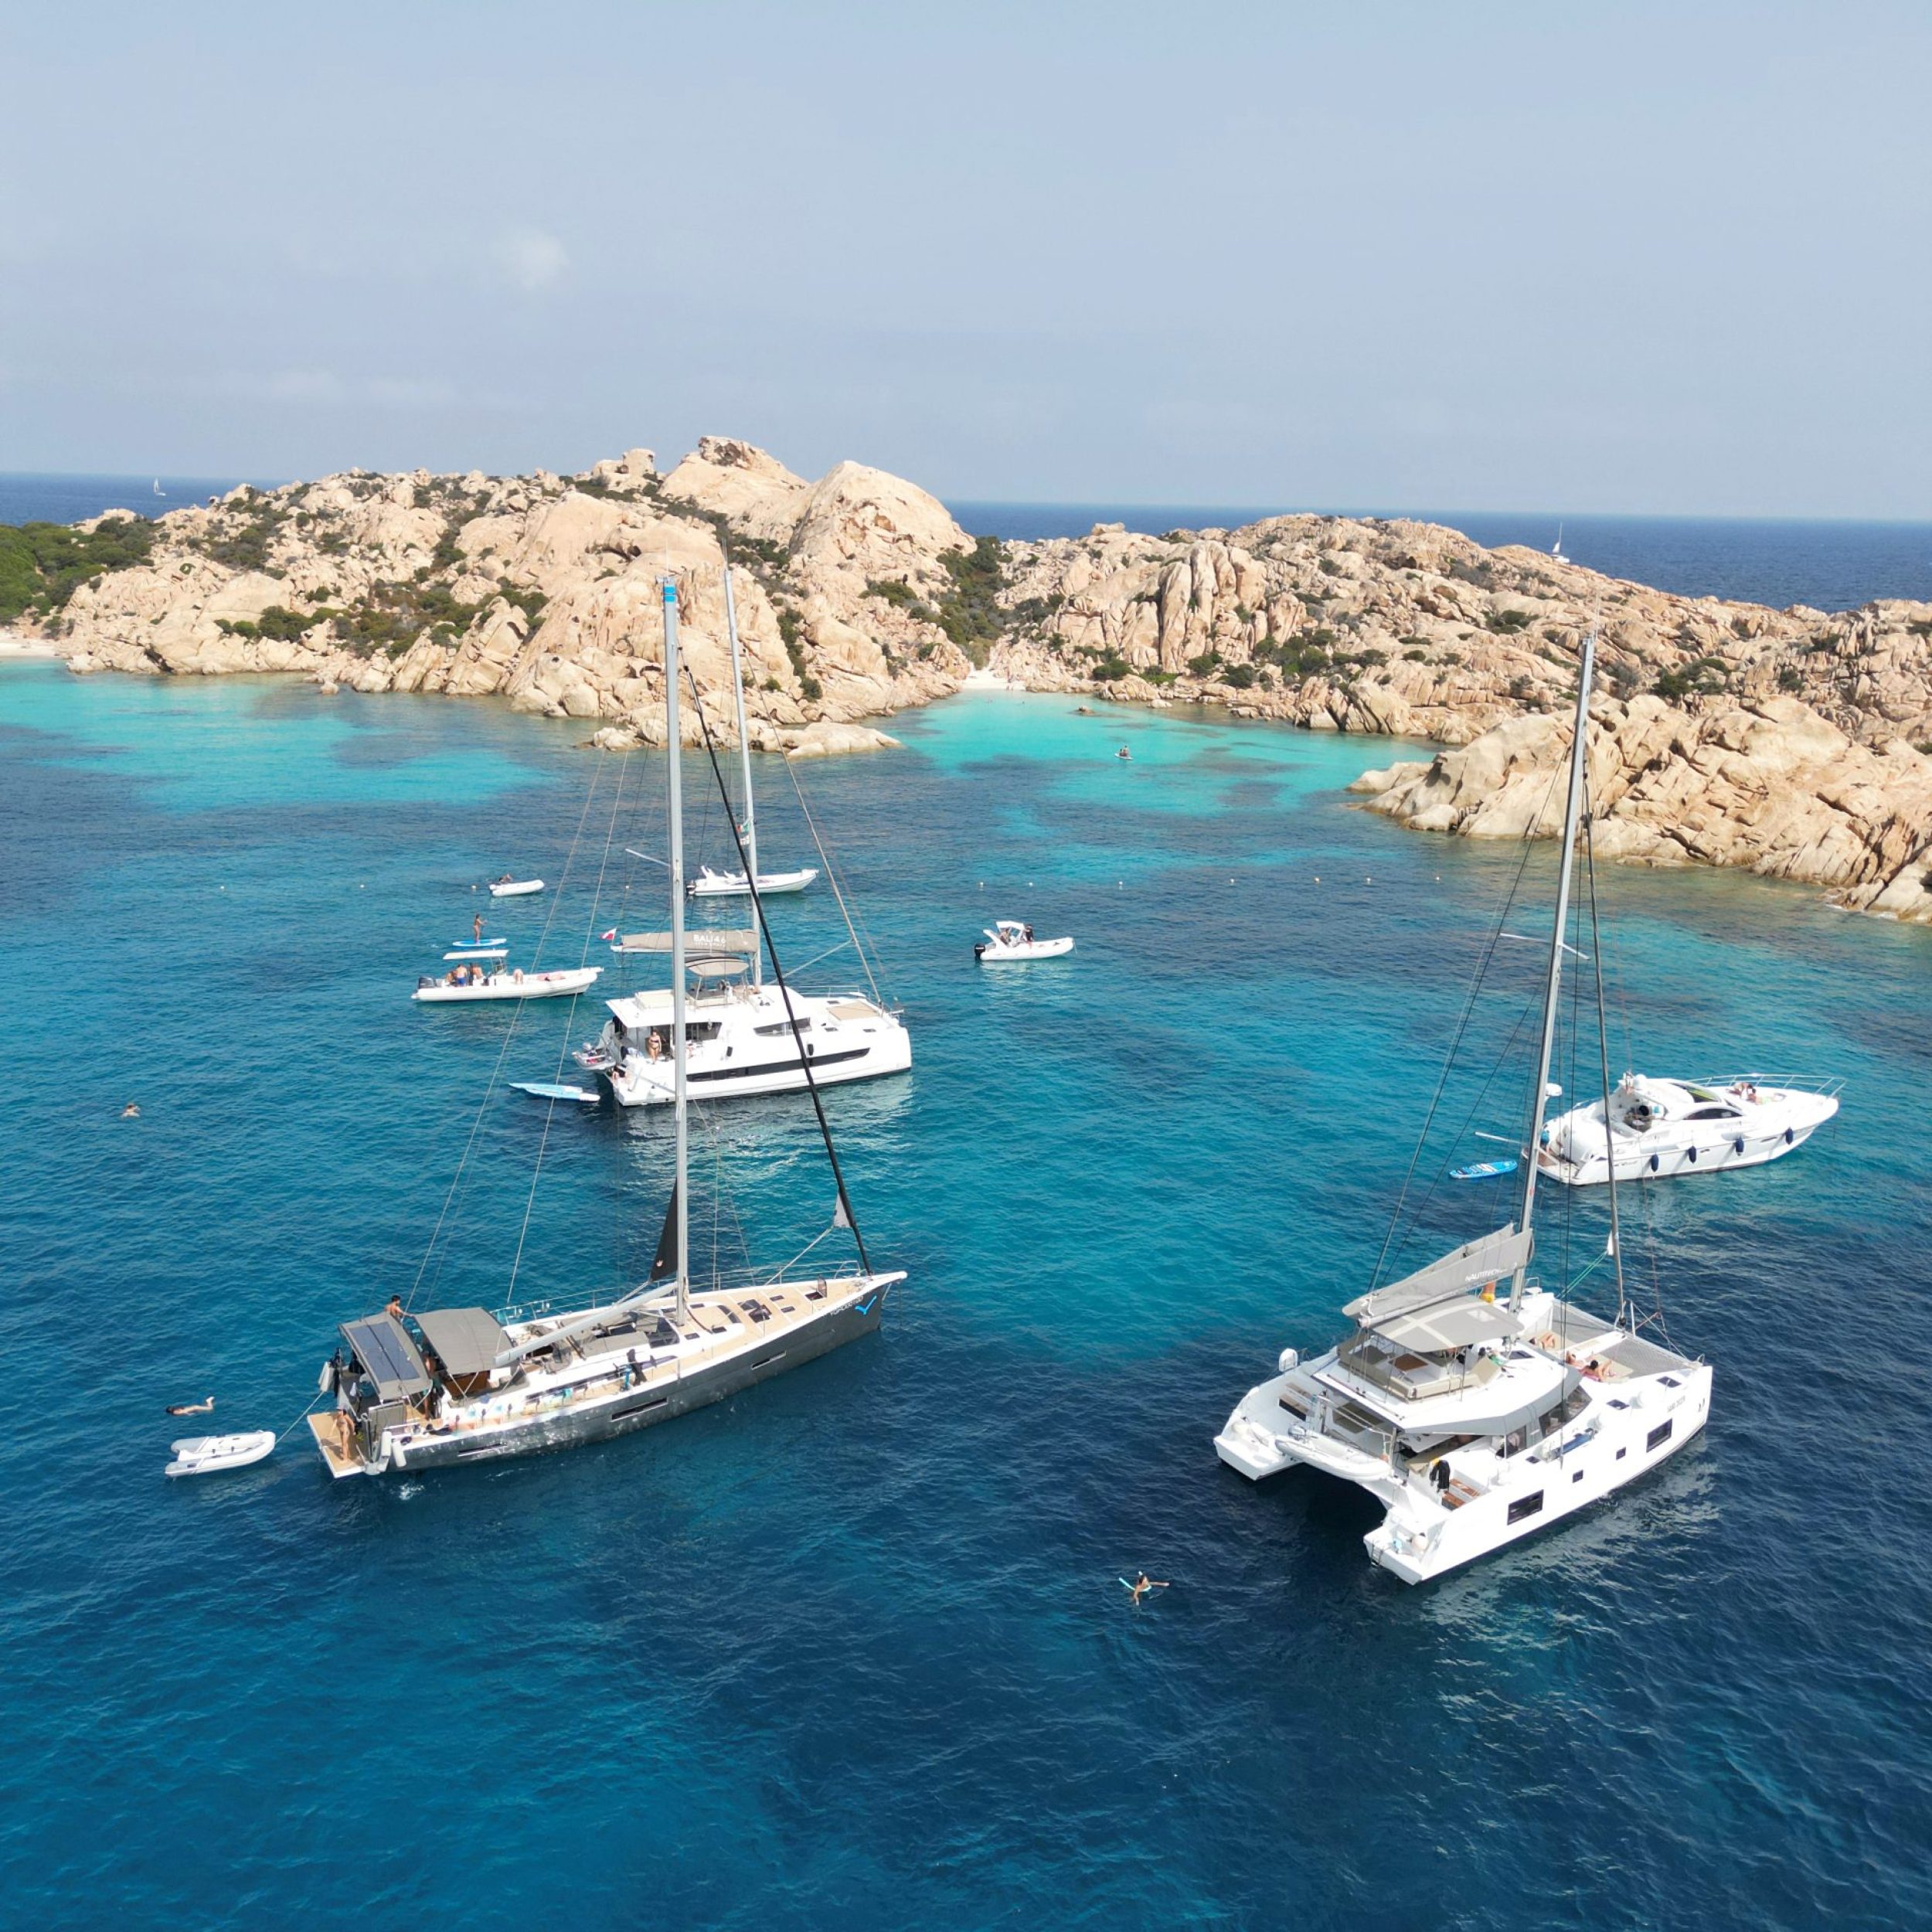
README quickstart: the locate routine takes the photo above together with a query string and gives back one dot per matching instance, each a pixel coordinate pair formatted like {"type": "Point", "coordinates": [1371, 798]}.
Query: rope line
{"type": "Point", "coordinates": [476, 1123]}
{"type": "Point", "coordinates": [570, 1027]}
{"type": "Point", "coordinates": [831, 880]}
{"type": "Point", "coordinates": [784, 991]}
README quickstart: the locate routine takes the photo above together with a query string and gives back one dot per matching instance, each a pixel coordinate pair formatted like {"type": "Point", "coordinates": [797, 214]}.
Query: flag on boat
{"type": "Point", "coordinates": [611, 934]}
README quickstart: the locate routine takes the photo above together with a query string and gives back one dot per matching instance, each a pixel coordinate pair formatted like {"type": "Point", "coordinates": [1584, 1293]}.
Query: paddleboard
{"type": "Point", "coordinates": [1483, 1171]}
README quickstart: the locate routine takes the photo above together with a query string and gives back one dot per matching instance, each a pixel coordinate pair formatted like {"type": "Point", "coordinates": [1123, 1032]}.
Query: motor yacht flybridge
{"type": "Point", "coordinates": [744, 1036]}
{"type": "Point", "coordinates": [454, 1385]}
{"type": "Point", "coordinates": [1476, 1403]}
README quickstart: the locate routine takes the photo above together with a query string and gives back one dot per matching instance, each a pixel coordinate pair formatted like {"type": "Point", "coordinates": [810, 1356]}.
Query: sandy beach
{"type": "Point", "coordinates": [14, 645]}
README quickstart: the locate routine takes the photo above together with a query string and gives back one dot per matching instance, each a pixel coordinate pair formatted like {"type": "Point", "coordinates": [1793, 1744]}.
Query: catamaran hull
{"type": "Point", "coordinates": [1418, 1541]}
{"type": "Point", "coordinates": [626, 1412]}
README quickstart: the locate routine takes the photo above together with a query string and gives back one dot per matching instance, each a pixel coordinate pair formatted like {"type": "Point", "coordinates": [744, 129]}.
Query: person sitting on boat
{"type": "Point", "coordinates": [1026, 933]}
{"type": "Point", "coordinates": [392, 1308]}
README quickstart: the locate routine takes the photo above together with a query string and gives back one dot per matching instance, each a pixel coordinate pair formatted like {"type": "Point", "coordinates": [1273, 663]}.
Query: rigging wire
{"type": "Point", "coordinates": [863, 947]}
{"type": "Point", "coordinates": [1626, 1316]}
{"type": "Point", "coordinates": [784, 991]}
{"type": "Point", "coordinates": [476, 1123]}
{"type": "Point", "coordinates": [570, 1026]}
{"type": "Point", "coordinates": [1487, 959]}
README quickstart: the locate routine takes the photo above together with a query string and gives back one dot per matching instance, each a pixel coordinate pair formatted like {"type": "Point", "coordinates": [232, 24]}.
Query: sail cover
{"type": "Point", "coordinates": [732, 940]}
{"type": "Point", "coordinates": [665, 1267]}
{"type": "Point", "coordinates": [1493, 1257]}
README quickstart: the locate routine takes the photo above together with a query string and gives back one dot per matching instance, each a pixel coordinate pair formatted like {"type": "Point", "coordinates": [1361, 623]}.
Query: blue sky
{"type": "Point", "coordinates": [1638, 258]}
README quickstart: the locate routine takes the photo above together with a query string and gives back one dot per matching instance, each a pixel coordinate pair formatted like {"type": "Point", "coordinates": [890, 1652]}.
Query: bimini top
{"type": "Point", "coordinates": [1448, 1325]}
{"type": "Point", "coordinates": [382, 1345]}
{"type": "Point", "coordinates": [466, 1341]}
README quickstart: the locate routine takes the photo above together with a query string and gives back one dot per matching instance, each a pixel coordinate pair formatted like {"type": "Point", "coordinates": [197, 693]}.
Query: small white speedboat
{"type": "Point", "coordinates": [508, 888]}
{"type": "Point", "coordinates": [1013, 939]}
{"type": "Point", "coordinates": [483, 972]}
{"type": "Point", "coordinates": [203, 1455]}
{"type": "Point", "coordinates": [1659, 1127]}
{"type": "Point", "coordinates": [731, 885]}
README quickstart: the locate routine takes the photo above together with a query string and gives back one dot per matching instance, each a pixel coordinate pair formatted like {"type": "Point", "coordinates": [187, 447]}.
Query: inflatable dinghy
{"type": "Point", "coordinates": [203, 1455]}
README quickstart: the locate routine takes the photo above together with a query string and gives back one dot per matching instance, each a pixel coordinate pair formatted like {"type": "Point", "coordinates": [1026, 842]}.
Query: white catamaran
{"type": "Point", "coordinates": [454, 1385]}
{"type": "Point", "coordinates": [1476, 1404]}
{"type": "Point", "coordinates": [744, 1036]}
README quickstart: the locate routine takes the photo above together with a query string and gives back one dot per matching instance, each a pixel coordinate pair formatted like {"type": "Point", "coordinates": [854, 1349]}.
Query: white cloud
{"type": "Point", "coordinates": [532, 259]}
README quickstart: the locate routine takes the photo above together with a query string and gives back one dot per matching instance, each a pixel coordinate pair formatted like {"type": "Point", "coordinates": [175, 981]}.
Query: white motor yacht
{"type": "Point", "coordinates": [455, 1386]}
{"type": "Point", "coordinates": [1657, 1127]}
{"type": "Point", "coordinates": [1476, 1404]}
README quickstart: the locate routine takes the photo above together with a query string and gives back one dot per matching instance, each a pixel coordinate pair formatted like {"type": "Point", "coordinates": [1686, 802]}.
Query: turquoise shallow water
{"type": "Point", "coordinates": [850, 1647]}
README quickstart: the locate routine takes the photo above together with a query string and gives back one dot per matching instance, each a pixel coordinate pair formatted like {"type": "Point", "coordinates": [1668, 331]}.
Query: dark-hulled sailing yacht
{"type": "Point", "coordinates": [465, 1385]}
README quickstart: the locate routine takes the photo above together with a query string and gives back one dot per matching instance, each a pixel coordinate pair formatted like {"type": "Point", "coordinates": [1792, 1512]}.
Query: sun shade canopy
{"type": "Point", "coordinates": [1449, 1325]}
{"type": "Point", "coordinates": [466, 1341]}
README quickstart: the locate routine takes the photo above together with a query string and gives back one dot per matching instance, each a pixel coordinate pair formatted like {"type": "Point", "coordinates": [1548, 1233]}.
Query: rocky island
{"type": "Point", "coordinates": [1794, 743]}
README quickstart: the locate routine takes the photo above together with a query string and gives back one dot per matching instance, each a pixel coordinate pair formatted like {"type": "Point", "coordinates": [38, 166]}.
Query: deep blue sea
{"type": "Point", "coordinates": [1829, 565]}
{"type": "Point", "coordinates": [850, 1649]}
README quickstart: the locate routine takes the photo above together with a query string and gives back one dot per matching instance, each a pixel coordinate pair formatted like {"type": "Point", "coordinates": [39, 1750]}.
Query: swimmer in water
{"type": "Point", "coordinates": [191, 1408]}
{"type": "Point", "coordinates": [1141, 1586]}
{"type": "Point", "coordinates": [130, 1112]}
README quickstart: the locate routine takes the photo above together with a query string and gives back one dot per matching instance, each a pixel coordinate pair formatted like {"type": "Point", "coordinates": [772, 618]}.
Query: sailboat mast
{"type": "Point", "coordinates": [1573, 812]}
{"type": "Point", "coordinates": [681, 1193]}
{"type": "Point", "coordinates": [744, 756]}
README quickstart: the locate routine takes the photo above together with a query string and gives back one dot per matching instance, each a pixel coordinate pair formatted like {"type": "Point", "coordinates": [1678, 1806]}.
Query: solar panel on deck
{"type": "Point", "coordinates": [382, 1344]}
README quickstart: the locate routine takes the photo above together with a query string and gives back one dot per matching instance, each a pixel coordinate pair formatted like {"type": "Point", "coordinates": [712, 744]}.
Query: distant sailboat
{"type": "Point", "coordinates": [1557, 548]}
{"type": "Point", "coordinates": [158, 490]}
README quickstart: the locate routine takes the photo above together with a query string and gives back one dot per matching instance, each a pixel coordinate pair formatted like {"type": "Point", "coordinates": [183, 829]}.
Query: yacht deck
{"type": "Point", "coordinates": [636, 1351]}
